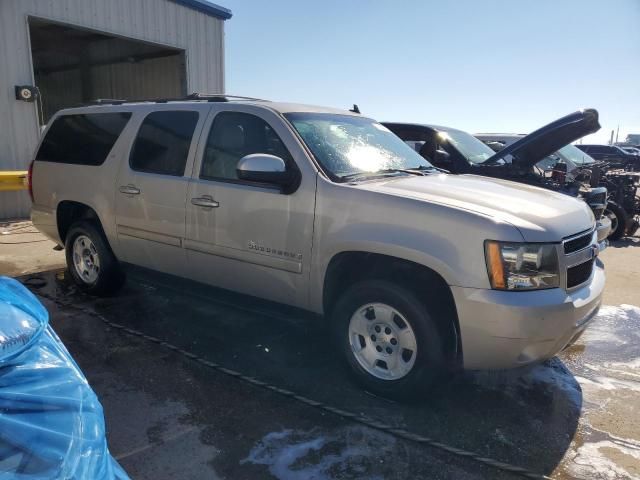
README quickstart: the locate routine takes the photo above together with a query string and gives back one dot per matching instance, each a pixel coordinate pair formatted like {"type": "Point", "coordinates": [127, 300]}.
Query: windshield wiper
{"type": "Point", "coordinates": [492, 161]}
{"type": "Point", "coordinates": [427, 168]}
{"type": "Point", "coordinates": [387, 172]}
{"type": "Point", "coordinates": [411, 171]}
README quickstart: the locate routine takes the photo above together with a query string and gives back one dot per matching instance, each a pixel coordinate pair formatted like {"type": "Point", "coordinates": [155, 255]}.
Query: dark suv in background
{"type": "Point", "coordinates": [612, 154]}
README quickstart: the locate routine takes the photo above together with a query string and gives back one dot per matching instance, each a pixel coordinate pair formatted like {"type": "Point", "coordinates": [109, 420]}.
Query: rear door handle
{"type": "Point", "coordinates": [130, 190]}
{"type": "Point", "coordinates": [205, 201]}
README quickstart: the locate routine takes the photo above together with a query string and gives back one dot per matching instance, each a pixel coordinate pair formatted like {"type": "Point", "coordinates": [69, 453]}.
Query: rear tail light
{"type": "Point", "coordinates": [30, 180]}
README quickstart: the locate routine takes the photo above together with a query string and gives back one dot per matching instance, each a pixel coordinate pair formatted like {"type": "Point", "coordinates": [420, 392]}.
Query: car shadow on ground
{"type": "Point", "coordinates": [527, 417]}
{"type": "Point", "coordinates": [626, 242]}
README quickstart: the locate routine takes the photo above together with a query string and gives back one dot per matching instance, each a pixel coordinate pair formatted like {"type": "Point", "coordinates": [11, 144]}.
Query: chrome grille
{"type": "Point", "coordinates": [579, 258]}
{"type": "Point", "coordinates": [578, 243]}
{"type": "Point", "coordinates": [579, 273]}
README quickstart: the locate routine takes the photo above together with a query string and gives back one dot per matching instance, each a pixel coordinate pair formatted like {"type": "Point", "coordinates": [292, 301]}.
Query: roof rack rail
{"type": "Point", "coordinates": [196, 96]}
{"type": "Point", "coordinates": [220, 96]}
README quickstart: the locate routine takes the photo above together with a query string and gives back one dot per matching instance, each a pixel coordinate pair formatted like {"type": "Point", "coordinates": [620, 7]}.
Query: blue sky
{"type": "Point", "coordinates": [478, 65]}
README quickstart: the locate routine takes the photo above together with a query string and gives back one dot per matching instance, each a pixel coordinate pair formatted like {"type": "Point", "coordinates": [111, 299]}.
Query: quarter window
{"type": "Point", "coordinates": [163, 142]}
{"type": "Point", "coordinates": [84, 139]}
{"type": "Point", "coordinates": [234, 135]}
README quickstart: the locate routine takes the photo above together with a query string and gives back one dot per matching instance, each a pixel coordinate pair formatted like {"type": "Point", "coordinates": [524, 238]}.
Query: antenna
{"type": "Point", "coordinates": [355, 109]}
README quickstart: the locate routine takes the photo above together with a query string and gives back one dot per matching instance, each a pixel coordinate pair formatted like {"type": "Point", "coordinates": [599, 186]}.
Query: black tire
{"type": "Point", "coordinates": [618, 220]}
{"type": "Point", "coordinates": [429, 364]}
{"type": "Point", "coordinates": [110, 276]}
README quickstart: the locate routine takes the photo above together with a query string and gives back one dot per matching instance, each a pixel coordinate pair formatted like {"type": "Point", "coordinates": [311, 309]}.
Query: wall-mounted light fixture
{"type": "Point", "coordinates": [27, 93]}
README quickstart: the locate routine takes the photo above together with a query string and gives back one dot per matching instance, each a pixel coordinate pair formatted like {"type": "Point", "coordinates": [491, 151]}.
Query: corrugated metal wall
{"type": "Point", "coordinates": [157, 21]}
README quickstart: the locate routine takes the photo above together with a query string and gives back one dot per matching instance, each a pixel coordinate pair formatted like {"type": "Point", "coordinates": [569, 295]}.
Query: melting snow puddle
{"type": "Point", "coordinates": [312, 455]}
{"type": "Point", "coordinates": [606, 460]}
{"type": "Point", "coordinates": [607, 371]}
{"type": "Point", "coordinates": [608, 383]}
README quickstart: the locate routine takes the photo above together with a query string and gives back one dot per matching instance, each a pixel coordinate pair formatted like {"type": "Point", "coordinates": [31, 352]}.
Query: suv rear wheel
{"type": "Point", "coordinates": [92, 264]}
{"type": "Point", "coordinates": [389, 339]}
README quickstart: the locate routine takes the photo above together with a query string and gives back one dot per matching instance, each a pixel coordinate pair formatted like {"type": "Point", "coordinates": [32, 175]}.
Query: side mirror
{"type": "Point", "coordinates": [264, 168]}
{"type": "Point", "coordinates": [442, 157]}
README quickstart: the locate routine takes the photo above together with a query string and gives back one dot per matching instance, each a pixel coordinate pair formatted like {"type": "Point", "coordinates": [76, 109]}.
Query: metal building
{"type": "Point", "coordinates": [76, 51]}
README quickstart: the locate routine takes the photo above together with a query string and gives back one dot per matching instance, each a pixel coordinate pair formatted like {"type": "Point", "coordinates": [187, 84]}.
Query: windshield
{"type": "Point", "coordinates": [576, 155]}
{"type": "Point", "coordinates": [346, 145]}
{"type": "Point", "coordinates": [472, 149]}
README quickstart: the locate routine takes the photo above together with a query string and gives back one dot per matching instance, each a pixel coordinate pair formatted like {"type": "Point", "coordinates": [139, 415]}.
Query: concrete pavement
{"type": "Point", "coordinates": [170, 417]}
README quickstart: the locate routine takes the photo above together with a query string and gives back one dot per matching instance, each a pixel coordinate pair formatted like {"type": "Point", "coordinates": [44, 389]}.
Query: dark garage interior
{"type": "Point", "coordinates": [74, 66]}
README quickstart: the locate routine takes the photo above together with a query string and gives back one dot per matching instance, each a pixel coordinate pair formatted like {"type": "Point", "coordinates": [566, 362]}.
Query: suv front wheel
{"type": "Point", "coordinates": [92, 264]}
{"type": "Point", "coordinates": [389, 339]}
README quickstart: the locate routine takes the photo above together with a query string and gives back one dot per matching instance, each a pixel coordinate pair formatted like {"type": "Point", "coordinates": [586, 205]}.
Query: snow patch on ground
{"type": "Point", "coordinates": [312, 455]}
{"type": "Point", "coordinates": [614, 325]}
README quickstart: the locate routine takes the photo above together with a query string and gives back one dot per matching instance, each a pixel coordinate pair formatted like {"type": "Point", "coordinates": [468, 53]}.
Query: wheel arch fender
{"type": "Point", "coordinates": [69, 212]}
{"type": "Point", "coordinates": [417, 245]}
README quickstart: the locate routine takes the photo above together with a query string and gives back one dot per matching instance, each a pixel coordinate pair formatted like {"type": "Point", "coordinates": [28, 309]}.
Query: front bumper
{"type": "Point", "coordinates": [501, 329]}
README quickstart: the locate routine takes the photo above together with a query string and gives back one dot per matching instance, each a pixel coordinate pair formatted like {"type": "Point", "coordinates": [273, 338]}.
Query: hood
{"type": "Point", "coordinates": [532, 148]}
{"type": "Point", "coordinates": [540, 215]}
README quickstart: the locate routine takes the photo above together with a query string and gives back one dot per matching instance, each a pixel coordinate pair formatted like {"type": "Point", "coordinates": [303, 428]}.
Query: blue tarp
{"type": "Point", "coordinates": [51, 422]}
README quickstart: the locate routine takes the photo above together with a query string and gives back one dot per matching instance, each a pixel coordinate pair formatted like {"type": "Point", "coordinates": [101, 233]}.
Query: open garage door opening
{"type": "Point", "coordinates": [74, 66]}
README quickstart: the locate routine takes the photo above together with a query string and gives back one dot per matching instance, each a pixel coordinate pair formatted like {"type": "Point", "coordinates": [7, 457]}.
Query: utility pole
{"type": "Point", "coordinates": [617, 131]}
{"type": "Point", "coordinates": [611, 138]}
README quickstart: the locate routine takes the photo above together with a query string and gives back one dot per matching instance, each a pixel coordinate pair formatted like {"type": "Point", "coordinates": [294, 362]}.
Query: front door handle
{"type": "Point", "coordinates": [205, 201]}
{"type": "Point", "coordinates": [130, 189]}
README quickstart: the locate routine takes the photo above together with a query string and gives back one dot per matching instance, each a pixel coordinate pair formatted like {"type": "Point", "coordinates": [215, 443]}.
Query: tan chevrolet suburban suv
{"type": "Point", "coordinates": [416, 270]}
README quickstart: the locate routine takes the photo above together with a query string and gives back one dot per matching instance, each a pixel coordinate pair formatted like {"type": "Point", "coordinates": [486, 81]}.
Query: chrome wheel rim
{"type": "Point", "coordinates": [613, 218]}
{"type": "Point", "coordinates": [382, 341]}
{"type": "Point", "coordinates": [85, 259]}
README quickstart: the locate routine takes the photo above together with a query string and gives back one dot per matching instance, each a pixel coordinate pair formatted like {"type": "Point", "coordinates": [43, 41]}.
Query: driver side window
{"type": "Point", "coordinates": [426, 143]}
{"type": "Point", "coordinates": [234, 135]}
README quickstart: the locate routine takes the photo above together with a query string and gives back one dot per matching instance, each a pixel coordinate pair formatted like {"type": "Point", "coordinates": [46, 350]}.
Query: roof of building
{"type": "Point", "coordinates": [206, 7]}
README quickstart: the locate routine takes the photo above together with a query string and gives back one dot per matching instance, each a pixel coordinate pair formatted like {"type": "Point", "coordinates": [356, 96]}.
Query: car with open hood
{"type": "Point", "coordinates": [415, 271]}
{"type": "Point", "coordinates": [527, 160]}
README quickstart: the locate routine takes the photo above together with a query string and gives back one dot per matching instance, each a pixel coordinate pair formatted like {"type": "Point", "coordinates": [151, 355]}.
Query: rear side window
{"type": "Point", "coordinates": [84, 139]}
{"type": "Point", "coordinates": [163, 142]}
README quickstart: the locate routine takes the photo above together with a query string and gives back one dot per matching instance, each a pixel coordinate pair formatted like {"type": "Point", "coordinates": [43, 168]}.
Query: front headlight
{"type": "Point", "coordinates": [522, 266]}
